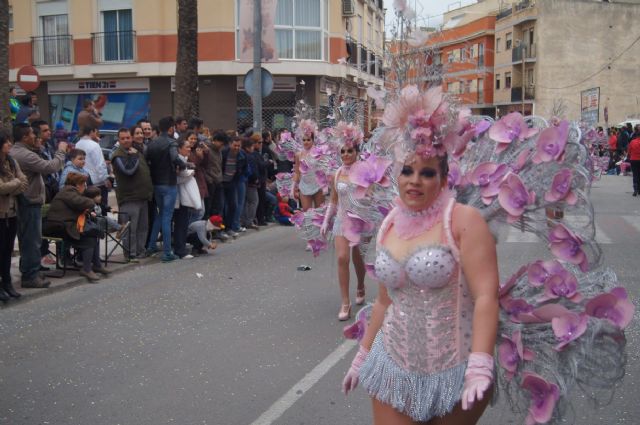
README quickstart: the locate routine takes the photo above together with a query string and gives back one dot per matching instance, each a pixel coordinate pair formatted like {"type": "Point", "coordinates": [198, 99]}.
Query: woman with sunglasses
{"type": "Point", "coordinates": [338, 205]}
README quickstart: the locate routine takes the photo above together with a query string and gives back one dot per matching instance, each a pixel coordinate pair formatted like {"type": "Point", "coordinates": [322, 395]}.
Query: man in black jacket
{"type": "Point", "coordinates": [163, 160]}
{"type": "Point", "coordinates": [234, 170]}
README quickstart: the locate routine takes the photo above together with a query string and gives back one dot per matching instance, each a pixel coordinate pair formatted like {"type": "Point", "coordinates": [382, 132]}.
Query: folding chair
{"type": "Point", "coordinates": [111, 239]}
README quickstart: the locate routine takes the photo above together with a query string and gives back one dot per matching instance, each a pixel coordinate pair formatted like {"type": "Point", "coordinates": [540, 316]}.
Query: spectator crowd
{"type": "Point", "coordinates": [179, 187]}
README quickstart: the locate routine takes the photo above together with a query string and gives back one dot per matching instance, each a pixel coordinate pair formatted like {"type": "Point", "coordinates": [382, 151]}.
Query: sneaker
{"type": "Point", "coordinates": [36, 282]}
{"type": "Point", "coordinates": [233, 234]}
{"type": "Point", "coordinates": [169, 258]}
{"type": "Point", "coordinates": [122, 229]}
{"type": "Point", "coordinates": [242, 229]}
{"type": "Point", "coordinates": [222, 236]}
{"type": "Point", "coordinates": [186, 257]}
{"type": "Point", "coordinates": [48, 260]}
{"type": "Point", "coordinates": [253, 226]}
{"type": "Point", "coordinates": [152, 251]}
{"type": "Point", "coordinates": [90, 275]}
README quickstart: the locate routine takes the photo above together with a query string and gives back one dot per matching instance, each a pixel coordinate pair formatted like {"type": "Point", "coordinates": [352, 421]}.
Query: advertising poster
{"type": "Point", "coordinates": [269, 53]}
{"type": "Point", "coordinates": [590, 106]}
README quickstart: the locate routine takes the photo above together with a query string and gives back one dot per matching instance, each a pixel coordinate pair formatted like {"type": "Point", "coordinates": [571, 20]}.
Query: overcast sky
{"type": "Point", "coordinates": [429, 11]}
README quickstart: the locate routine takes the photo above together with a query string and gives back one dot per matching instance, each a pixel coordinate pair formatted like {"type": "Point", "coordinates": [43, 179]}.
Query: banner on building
{"type": "Point", "coordinates": [269, 53]}
{"type": "Point", "coordinates": [590, 106]}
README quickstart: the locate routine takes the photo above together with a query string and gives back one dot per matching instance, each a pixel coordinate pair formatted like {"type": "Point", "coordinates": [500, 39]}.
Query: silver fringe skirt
{"type": "Point", "coordinates": [420, 396]}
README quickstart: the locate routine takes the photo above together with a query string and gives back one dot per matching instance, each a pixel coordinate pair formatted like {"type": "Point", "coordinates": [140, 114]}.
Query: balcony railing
{"type": "Point", "coordinates": [526, 50]}
{"type": "Point", "coordinates": [516, 94]}
{"type": "Point", "coordinates": [114, 46]}
{"type": "Point", "coordinates": [52, 50]}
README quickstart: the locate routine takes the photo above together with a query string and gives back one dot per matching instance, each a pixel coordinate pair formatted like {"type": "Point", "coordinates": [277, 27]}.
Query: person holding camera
{"type": "Point", "coordinates": [89, 116]}
{"type": "Point", "coordinates": [95, 162]}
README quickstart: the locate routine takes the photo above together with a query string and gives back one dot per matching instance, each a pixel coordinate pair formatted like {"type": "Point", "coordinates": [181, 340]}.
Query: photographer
{"type": "Point", "coordinates": [89, 116]}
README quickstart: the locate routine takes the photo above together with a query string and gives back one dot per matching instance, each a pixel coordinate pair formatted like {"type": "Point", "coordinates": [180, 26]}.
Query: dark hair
{"type": "Point", "coordinates": [37, 123]}
{"type": "Point", "coordinates": [92, 192]}
{"type": "Point", "coordinates": [25, 100]}
{"type": "Point", "coordinates": [195, 122]}
{"type": "Point", "coordinates": [123, 130]}
{"type": "Point", "coordinates": [20, 130]}
{"type": "Point", "coordinates": [74, 179]}
{"type": "Point", "coordinates": [265, 134]}
{"type": "Point", "coordinates": [179, 119]}
{"type": "Point", "coordinates": [5, 138]}
{"type": "Point", "coordinates": [220, 136]}
{"type": "Point", "coordinates": [132, 130]}
{"type": "Point", "coordinates": [247, 142]}
{"type": "Point", "coordinates": [186, 135]}
{"type": "Point", "coordinates": [74, 153]}
{"type": "Point", "coordinates": [165, 124]}
{"type": "Point", "coordinates": [87, 102]}
{"type": "Point", "coordinates": [181, 142]}
{"type": "Point", "coordinates": [235, 139]}
{"type": "Point", "coordinates": [141, 120]}
{"type": "Point", "coordinates": [156, 129]}
{"type": "Point", "coordinates": [88, 129]}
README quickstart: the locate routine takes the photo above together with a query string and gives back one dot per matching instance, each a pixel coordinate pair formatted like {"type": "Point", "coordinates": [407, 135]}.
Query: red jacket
{"type": "Point", "coordinates": [634, 149]}
{"type": "Point", "coordinates": [613, 142]}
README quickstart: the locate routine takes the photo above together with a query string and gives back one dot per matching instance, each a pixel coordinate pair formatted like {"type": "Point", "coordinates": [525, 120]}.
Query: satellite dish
{"type": "Point", "coordinates": [267, 82]}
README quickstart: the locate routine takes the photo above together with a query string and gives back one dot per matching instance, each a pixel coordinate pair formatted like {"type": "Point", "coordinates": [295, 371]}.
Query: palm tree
{"type": "Point", "coordinates": [186, 96]}
{"type": "Point", "coordinates": [5, 115]}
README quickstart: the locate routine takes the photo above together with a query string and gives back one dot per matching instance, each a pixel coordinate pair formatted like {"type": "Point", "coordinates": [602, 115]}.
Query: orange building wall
{"type": "Point", "coordinates": [20, 55]}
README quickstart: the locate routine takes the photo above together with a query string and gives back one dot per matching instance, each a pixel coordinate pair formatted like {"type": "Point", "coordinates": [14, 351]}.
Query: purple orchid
{"type": "Point", "coordinates": [355, 330]}
{"type": "Point", "coordinates": [568, 328]}
{"type": "Point", "coordinates": [317, 245]}
{"type": "Point", "coordinates": [488, 176]}
{"type": "Point", "coordinates": [567, 246]}
{"type": "Point", "coordinates": [514, 197]}
{"type": "Point", "coordinates": [353, 228]}
{"type": "Point", "coordinates": [613, 306]}
{"type": "Point", "coordinates": [557, 280]}
{"type": "Point", "coordinates": [561, 188]}
{"type": "Point", "coordinates": [544, 396]}
{"type": "Point", "coordinates": [461, 133]}
{"type": "Point", "coordinates": [366, 173]}
{"type": "Point", "coordinates": [298, 218]}
{"type": "Point", "coordinates": [517, 308]}
{"type": "Point", "coordinates": [521, 160]}
{"type": "Point", "coordinates": [551, 143]}
{"type": "Point", "coordinates": [511, 352]}
{"type": "Point", "coordinates": [509, 128]}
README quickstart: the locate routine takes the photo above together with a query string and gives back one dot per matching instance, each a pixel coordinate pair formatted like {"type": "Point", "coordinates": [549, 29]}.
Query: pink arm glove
{"type": "Point", "coordinates": [350, 381]}
{"type": "Point", "coordinates": [331, 211]}
{"type": "Point", "coordinates": [477, 378]}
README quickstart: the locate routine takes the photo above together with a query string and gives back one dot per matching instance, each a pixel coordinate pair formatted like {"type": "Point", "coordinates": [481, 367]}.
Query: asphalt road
{"type": "Point", "coordinates": [253, 341]}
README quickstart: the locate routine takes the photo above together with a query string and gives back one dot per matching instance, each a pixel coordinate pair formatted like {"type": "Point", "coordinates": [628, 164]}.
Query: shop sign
{"type": "Point", "coordinates": [126, 85]}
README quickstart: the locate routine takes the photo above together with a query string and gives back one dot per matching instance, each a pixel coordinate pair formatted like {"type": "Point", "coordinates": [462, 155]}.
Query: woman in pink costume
{"type": "Point", "coordinates": [305, 184]}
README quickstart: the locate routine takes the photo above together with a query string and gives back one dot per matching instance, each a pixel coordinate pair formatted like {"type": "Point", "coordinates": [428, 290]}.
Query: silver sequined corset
{"type": "Point", "coordinates": [308, 184]}
{"type": "Point", "coordinates": [428, 325]}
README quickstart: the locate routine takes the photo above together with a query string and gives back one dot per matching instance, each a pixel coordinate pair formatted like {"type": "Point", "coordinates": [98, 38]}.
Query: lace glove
{"type": "Point", "coordinates": [477, 378]}
{"type": "Point", "coordinates": [350, 381]}
{"type": "Point", "coordinates": [331, 211]}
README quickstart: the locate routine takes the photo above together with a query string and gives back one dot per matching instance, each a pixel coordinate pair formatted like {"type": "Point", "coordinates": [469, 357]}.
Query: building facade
{"type": "Point", "coordinates": [122, 53]}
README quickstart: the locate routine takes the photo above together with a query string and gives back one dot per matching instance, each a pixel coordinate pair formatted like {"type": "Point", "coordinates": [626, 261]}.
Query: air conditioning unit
{"type": "Point", "coordinates": [348, 8]}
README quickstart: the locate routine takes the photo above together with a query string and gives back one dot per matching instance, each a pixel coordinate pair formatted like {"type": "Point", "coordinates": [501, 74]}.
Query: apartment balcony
{"type": "Point", "coordinates": [524, 51]}
{"type": "Point", "coordinates": [114, 46]}
{"type": "Point", "coordinates": [516, 94]}
{"type": "Point", "coordinates": [52, 50]}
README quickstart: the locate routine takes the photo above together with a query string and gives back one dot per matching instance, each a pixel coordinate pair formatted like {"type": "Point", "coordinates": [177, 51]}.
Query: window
{"type": "Point", "coordinates": [530, 77]}
{"type": "Point", "coordinates": [498, 41]}
{"type": "Point", "coordinates": [507, 80]}
{"type": "Point", "coordinates": [508, 41]}
{"type": "Point", "coordinates": [10, 18]}
{"type": "Point", "coordinates": [467, 86]}
{"type": "Point", "coordinates": [117, 36]}
{"type": "Point", "coordinates": [481, 54]}
{"type": "Point", "coordinates": [497, 81]}
{"type": "Point", "coordinates": [55, 40]}
{"type": "Point", "coordinates": [301, 29]}
{"type": "Point", "coordinates": [480, 85]}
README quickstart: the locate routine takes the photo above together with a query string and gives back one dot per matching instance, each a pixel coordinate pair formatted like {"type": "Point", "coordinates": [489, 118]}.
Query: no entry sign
{"type": "Point", "coordinates": [28, 78]}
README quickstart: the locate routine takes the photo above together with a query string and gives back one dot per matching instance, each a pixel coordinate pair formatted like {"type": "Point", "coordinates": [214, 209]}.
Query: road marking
{"type": "Point", "coordinates": [514, 235]}
{"type": "Point", "coordinates": [633, 220]}
{"type": "Point", "coordinates": [301, 387]}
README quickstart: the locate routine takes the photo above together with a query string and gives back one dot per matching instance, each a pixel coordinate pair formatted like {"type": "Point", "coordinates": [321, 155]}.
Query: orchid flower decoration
{"type": "Point", "coordinates": [317, 245]}
{"type": "Point", "coordinates": [354, 227]}
{"type": "Point", "coordinates": [511, 352]}
{"type": "Point", "coordinates": [568, 328]}
{"type": "Point", "coordinates": [489, 176]}
{"type": "Point", "coordinates": [509, 128]}
{"type": "Point", "coordinates": [551, 143]}
{"type": "Point", "coordinates": [544, 395]}
{"type": "Point", "coordinates": [558, 282]}
{"type": "Point", "coordinates": [613, 306]}
{"type": "Point", "coordinates": [561, 188]}
{"type": "Point", "coordinates": [567, 246]}
{"type": "Point", "coordinates": [514, 197]}
{"type": "Point", "coordinates": [369, 172]}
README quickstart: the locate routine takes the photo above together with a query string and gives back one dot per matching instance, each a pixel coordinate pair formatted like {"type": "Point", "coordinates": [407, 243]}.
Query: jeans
{"type": "Point", "coordinates": [30, 237]}
{"type": "Point", "coordinates": [135, 238]}
{"type": "Point", "coordinates": [250, 206]}
{"type": "Point", "coordinates": [230, 203]}
{"type": "Point", "coordinates": [8, 230]}
{"type": "Point", "coordinates": [241, 191]}
{"type": "Point", "coordinates": [91, 257]}
{"type": "Point", "coordinates": [180, 228]}
{"type": "Point", "coordinates": [215, 201]}
{"type": "Point", "coordinates": [271, 203]}
{"type": "Point", "coordinates": [165, 200]}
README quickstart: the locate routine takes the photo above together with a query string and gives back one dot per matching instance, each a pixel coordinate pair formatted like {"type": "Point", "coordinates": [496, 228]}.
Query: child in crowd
{"type": "Point", "coordinates": [198, 235]}
{"type": "Point", "coordinates": [284, 211]}
{"type": "Point", "coordinates": [107, 224]}
{"type": "Point", "coordinates": [75, 164]}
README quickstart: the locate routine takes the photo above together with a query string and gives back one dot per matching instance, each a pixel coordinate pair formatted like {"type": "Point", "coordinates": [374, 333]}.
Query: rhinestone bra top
{"type": "Point", "coordinates": [427, 267]}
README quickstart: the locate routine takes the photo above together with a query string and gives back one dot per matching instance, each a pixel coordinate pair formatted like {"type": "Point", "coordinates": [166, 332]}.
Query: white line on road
{"type": "Point", "coordinates": [301, 387]}
{"type": "Point", "coordinates": [633, 220]}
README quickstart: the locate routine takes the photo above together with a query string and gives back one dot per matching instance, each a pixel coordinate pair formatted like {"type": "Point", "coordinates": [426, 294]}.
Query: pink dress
{"type": "Point", "coordinates": [418, 358]}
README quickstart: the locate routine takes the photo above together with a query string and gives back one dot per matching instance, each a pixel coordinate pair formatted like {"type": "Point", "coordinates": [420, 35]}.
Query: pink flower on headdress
{"type": "Point", "coordinates": [462, 131]}
{"type": "Point", "coordinates": [613, 306]}
{"type": "Point", "coordinates": [568, 328]}
{"type": "Point", "coordinates": [307, 127]}
{"type": "Point", "coordinates": [551, 143]}
{"type": "Point", "coordinates": [348, 134]}
{"type": "Point", "coordinates": [567, 246]}
{"type": "Point", "coordinates": [561, 188]}
{"type": "Point", "coordinates": [514, 197]}
{"type": "Point", "coordinates": [511, 353]}
{"type": "Point", "coordinates": [544, 396]}
{"type": "Point", "coordinates": [509, 128]}
{"type": "Point", "coordinates": [366, 173]}
{"type": "Point", "coordinates": [354, 227]}
{"type": "Point", "coordinates": [488, 176]}
{"type": "Point", "coordinates": [454, 178]}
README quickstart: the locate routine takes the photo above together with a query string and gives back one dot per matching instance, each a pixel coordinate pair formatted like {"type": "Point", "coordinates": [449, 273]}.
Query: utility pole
{"type": "Point", "coordinates": [256, 96]}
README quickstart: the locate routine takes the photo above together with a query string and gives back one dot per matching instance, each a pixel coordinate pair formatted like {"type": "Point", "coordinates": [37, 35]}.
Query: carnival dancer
{"type": "Point", "coordinates": [440, 314]}
{"type": "Point", "coordinates": [305, 183]}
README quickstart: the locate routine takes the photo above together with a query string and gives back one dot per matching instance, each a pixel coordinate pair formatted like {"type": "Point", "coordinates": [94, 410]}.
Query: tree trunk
{"type": "Point", "coordinates": [5, 114]}
{"type": "Point", "coordinates": [186, 95]}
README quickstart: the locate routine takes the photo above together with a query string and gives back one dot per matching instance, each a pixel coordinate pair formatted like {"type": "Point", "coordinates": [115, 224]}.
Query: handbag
{"type": "Point", "coordinates": [87, 226]}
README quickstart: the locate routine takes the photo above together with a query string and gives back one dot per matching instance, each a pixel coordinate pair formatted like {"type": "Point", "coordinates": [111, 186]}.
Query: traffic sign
{"type": "Point", "coordinates": [28, 78]}
{"type": "Point", "coordinates": [267, 82]}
